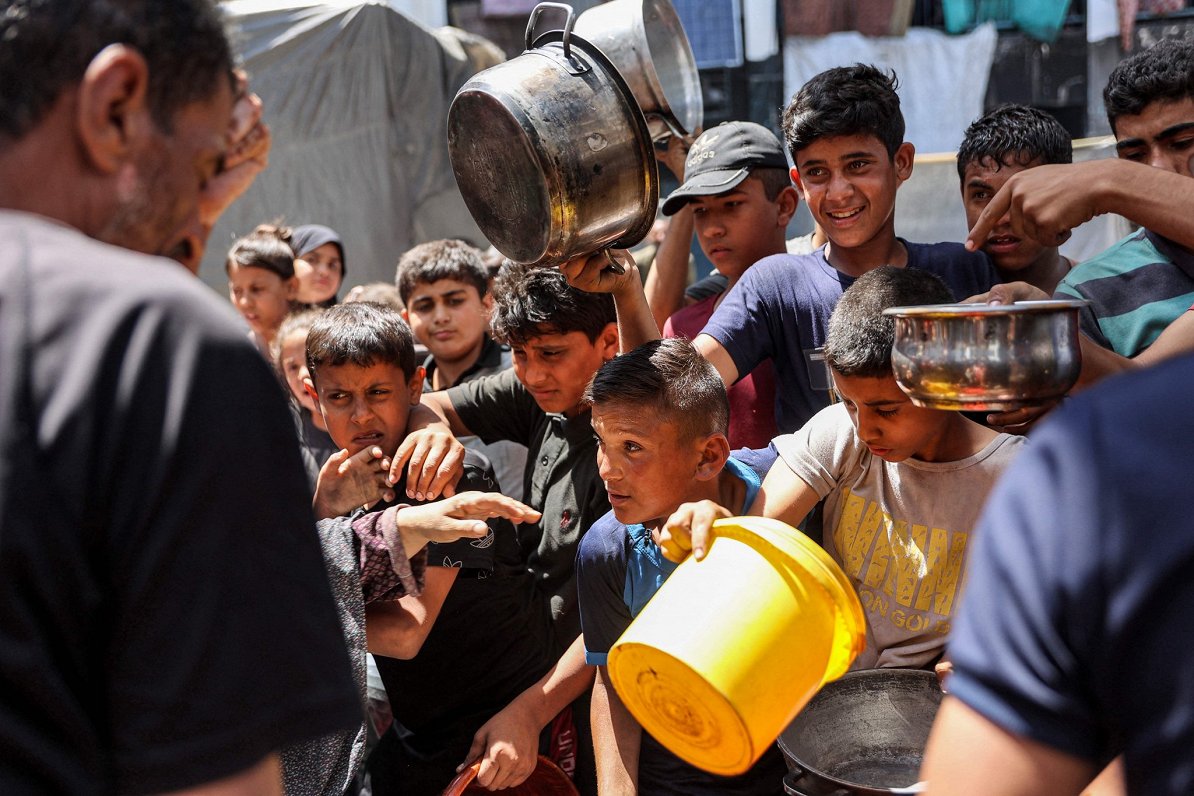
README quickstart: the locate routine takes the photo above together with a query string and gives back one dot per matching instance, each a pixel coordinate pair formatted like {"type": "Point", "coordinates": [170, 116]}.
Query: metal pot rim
{"type": "Point", "coordinates": [985, 310]}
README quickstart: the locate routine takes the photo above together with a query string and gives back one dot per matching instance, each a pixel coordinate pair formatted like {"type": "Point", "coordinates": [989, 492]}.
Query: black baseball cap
{"type": "Point", "coordinates": [721, 158]}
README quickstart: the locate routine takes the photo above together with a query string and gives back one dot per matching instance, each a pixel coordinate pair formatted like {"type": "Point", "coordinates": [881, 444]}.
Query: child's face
{"type": "Point", "coordinates": [647, 464]}
{"type": "Point", "coordinates": [449, 317]}
{"type": "Point", "coordinates": [849, 183]}
{"type": "Point", "coordinates": [319, 272]}
{"type": "Point", "coordinates": [981, 180]}
{"type": "Point", "coordinates": [1161, 135]}
{"type": "Point", "coordinates": [740, 227]}
{"type": "Point", "coordinates": [556, 368]}
{"type": "Point", "coordinates": [888, 422]}
{"type": "Point", "coordinates": [292, 358]}
{"type": "Point", "coordinates": [261, 296]}
{"type": "Point", "coordinates": [367, 406]}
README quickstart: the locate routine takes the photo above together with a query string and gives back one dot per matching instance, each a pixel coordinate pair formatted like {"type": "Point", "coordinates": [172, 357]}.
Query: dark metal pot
{"type": "Point", "coordinates": [645, 40]}
{"type": "Point", "coordinates": [551, 151]}
{"type": "Point", "coordinates": [864, 733]}
{"type": "Point", "coordinates": [986, 357]}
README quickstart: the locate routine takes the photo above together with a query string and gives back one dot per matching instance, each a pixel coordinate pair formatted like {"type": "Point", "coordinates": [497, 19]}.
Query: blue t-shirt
{"type": "Point", "coordinates": [780, 310]}
{"type": "Point", "coordinates": [1075, 626]}
{"type": "Point", "coordinates": [618, 569]}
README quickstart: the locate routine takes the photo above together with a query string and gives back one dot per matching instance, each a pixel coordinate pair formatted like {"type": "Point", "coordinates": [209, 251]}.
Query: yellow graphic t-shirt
{"type": "Point", "coordinates": [899, 530]}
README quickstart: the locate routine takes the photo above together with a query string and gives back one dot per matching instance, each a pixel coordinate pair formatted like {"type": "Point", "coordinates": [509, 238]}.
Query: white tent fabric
{"type": "Point", "coordinates": [357, 97]}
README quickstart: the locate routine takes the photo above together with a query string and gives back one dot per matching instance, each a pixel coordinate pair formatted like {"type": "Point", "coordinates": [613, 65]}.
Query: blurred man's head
{"type": "Point", "coordinates": [115, 111]}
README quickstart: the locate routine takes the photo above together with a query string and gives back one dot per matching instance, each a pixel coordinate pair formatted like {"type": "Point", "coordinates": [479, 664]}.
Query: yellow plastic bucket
{"type": "Point", "coordinates": [730, 648]}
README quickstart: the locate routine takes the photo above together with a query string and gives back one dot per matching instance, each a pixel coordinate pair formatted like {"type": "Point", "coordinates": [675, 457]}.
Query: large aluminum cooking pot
{"type": "Point", "coordinates": [552, 153]}
{"type": "Point", "coordinates": [864, 733]}
{"type": "Point", "coordinates": [646, 42]}
{"type": "Point", "coordinates": [986, 357]}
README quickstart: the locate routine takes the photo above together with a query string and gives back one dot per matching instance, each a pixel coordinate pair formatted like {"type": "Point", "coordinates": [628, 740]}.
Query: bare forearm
{"type": "Point", "coordinates": [636, 324]}
{"type": "Point", "coordinates": [665, 285]}
{"type": "Point", "coordinates": [617, 738]}
{"type": "Point", "coordinates": [562, 685]}
{"type": "Point", "coordinates": [1156, 199]}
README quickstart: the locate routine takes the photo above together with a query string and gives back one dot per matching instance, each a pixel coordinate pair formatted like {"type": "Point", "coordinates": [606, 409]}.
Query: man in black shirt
{"type": "Point", "coordinates": [165, 618]}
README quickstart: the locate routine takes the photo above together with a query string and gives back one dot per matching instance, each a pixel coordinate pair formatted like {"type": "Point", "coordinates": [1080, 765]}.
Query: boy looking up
{"type": "Point", "coordinates": [1006, 141]}
{"type": "Point", "coordinates": [463, 647]}
{"type": "Point", "coordinates": [845, 134]}
{"type": "Point", "coordinates": [737, 189]}
{"type": "Point", "coordinates": [902, 484]}
{"type": "Point", "coordinates": [445, 294]}
{"type": "Point", "coordinates": [660, 414]}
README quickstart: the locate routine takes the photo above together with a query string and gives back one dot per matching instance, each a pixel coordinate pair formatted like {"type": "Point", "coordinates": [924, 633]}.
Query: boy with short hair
{"type": "Point", "coordinates": [845, 133]}
{"type": "Point", "coordinates": [902, 484]}
{"type": "Point", "coordinates": [738, 194]}
{"type": "Point", "coordinates": [465, 646]}
{"type": "Point", "coordinates": [660, 414]}
{"type": "Point", "coordinates": [1004, 142]}
{"type": "Point", "coordinates": [444, 287]}
{"type": "Point", "coordinates": [560, 336]}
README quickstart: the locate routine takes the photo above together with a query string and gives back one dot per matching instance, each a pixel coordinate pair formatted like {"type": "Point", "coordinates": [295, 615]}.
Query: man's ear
{"type": "Point", "coordinates": [788, 200]}
{"type": "Point", "coordinates": [715, 450]}
{"type": "Point", "coordinates": [113, 109]}
{"type": "Point", "coordinates": [415, 385]}
{"type": "Point", "coordinates": [904, 158]}
{"type": "Point", "coordinates": [405, 313]}
{"type": "Point", "coordinates": [292, 288]}
{"type": "Point", "coordinates": [608, 341]}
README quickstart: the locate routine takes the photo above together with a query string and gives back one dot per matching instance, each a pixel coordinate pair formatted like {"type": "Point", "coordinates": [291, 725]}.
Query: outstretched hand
{"type": "Point", "coordinates": [463, 515]}
{"type": "Point", "coordinates": [689, 530]}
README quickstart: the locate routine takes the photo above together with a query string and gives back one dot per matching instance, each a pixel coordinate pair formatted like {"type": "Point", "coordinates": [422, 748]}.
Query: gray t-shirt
{"type": "Point", "coordinates": [899, 530]}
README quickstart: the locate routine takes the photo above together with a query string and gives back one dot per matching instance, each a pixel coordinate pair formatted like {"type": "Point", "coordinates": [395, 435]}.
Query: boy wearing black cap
{"type": "Point", "coordinates": [738, 194]}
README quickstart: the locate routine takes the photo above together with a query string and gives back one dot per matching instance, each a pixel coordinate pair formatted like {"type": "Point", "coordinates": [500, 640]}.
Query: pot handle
{"type": "Point", "coordinates": [568, 23]}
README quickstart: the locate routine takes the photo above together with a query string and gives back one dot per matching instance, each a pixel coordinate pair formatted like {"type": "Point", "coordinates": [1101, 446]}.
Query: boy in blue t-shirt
{"type": "Point", "coordinates": [660, 414]}
{"type": "Point", "coordinates": [845, 134]}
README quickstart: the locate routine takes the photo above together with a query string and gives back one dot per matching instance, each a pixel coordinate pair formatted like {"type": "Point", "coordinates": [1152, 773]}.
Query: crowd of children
{"type": "Point", "coordinates": [563, 437]}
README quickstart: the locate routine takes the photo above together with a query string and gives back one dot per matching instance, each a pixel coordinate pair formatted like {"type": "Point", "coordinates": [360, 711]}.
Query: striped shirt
{"type": "Point", "coordinates": [1135, 288]}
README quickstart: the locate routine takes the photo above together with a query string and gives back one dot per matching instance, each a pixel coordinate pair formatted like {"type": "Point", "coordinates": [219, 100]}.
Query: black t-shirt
{"type": "Point", "coordinates": [491, 641]}
{"type": "Point", "coordinates": [165, 617]}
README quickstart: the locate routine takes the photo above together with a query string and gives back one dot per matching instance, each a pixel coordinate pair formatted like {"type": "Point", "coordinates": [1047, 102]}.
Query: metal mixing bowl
{"type": "Point", "coordinates": [986, 357]}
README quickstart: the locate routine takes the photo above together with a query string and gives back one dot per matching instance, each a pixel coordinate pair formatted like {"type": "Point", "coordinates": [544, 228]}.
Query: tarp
{"type": "Point", "coordinates": [357, 97]}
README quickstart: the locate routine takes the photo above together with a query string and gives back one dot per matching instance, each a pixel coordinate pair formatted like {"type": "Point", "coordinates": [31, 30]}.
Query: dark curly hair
{"type": "Point", "coordinates": [48, 45]}
{"type": "Point", "coordinates": [529, 301]}
{"type": "Point", "coordinates": [1162, 73]}
{"type": "Point", "coordinates": [846, 100]}
{"type": "Point", "coordinates": [1014, 134]}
